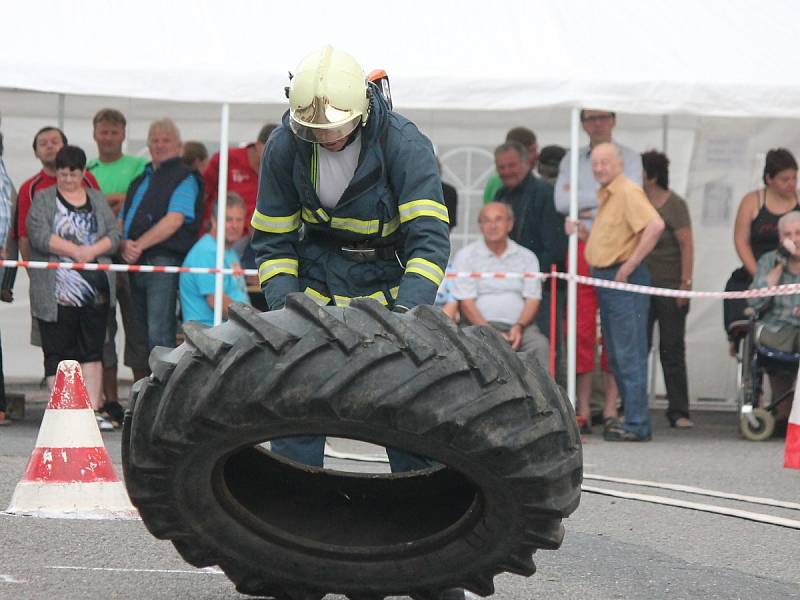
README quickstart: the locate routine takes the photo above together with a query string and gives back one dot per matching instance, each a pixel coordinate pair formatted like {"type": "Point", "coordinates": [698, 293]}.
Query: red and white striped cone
{"type": "Point", "coordinates": [791, 457]}
{"type": "Point", "coordinates": [70, 474]}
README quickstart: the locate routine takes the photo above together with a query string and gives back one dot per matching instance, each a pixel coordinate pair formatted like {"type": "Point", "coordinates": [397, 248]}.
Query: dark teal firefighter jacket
{"type": "Point", "coordinates": [393, 201]}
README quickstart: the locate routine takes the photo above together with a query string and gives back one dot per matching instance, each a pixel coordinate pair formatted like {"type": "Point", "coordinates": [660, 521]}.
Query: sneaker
{"type": "Point", "coordinates": [612, 424]}
{"type": "Point", "coordinates": [682, 423]}
{"type": "Point", "coordinates": [4, 420]}
{"type": "Point", "coordinates": [114, 412]}
{"type": "Point", "coordinates": [616, 435]}
{"type": "Point", "coordinates": [103, 423]}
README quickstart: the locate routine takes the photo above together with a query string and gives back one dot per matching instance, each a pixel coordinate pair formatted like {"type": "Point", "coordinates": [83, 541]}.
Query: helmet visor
{"type": "Point", "coordinates": [323, 134]}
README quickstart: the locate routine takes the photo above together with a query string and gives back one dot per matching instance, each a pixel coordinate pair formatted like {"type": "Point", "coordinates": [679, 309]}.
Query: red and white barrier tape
{"type": "Point", "coordinates": [780, 290]}
{"type": "Point", "coordinates": [36, 264]}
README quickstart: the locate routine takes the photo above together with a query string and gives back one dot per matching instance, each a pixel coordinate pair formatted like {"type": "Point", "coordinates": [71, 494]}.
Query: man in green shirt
{"type": "Point", "coordinates": [114, 172]}
{"type": "Point", "coordinates": [521, 135]}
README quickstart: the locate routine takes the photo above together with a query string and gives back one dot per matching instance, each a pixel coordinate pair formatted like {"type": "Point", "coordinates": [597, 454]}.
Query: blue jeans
{"type": "Point", "coordinates": [310, 450]}
{"type": "Point", "coordinates": [155, 297]}
{"type": "Point", "coordinates": [623, 317]}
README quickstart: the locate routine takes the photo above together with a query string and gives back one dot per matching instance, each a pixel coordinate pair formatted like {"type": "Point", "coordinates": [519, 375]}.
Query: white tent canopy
{"type": "Point", "coordinates": [464, 71]}
{"type": "Point", "coordinates": [720, 57]}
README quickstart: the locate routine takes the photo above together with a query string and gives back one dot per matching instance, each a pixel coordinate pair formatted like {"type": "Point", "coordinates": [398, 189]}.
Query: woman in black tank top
{"type": "Point", "coordinates": [756, 228]}
{"type": "Point", "coordinates": [756, 231]}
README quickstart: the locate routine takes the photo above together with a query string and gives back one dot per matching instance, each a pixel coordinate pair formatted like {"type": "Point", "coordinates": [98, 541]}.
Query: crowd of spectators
{"type": "Point", "coordinates": [631, 227]}
{"type": "Point", "coordinates": [126, 209]}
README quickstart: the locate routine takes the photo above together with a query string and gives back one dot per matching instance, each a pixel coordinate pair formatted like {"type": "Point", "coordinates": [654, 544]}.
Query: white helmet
{"type": "Point", "coordinates": [327, 96]}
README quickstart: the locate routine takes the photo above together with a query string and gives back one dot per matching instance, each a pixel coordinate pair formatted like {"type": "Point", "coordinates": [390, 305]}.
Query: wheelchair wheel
{"type": "Point", "coordinates": [763, 427]}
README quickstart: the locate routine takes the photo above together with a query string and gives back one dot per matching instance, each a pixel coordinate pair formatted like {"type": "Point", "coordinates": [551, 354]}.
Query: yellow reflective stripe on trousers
{"type": "Point", "coordinates": [342, 301]}
{"type": "Point", "coordinates": [356, 225]}
{"type": "Point", "coordinates": [423, 208]}
{"type": "Point", "coordinates": [269, 268]}
{"type": "Point", "coordinates": [269, 224]}
{"type": "Point", "coordinates": [426, 268]}
{"type": "Point", "coordinates": [390, 226]}
{"type": "Point", "coordinates": [394, 291]}
{"type": "Point", "coordinates": [318, 297]}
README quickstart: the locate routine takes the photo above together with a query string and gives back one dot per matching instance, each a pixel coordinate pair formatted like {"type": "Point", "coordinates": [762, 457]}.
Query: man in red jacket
{"type": "Point", "coordinates": [242, 176]}
{"type": "Point", "coordinates": [46, 144]}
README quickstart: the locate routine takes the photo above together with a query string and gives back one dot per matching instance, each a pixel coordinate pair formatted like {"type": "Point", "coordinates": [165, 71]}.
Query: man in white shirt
{"type": "Point", "coordinates": [507, 304]}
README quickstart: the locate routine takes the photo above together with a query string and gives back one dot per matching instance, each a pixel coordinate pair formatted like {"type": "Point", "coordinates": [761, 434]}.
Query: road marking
{"type": "Point", "coordinates": [203, 571]}
{"type": "Point", "coordinates": [695, 490]}
{"type": "Point", "coordinates": [10, 579]}
{"type": "Point", "coordinates": [710, 508]}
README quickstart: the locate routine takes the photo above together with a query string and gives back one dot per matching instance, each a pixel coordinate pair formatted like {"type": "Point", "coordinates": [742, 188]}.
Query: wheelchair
{"type": "Point", "coordinates": [757, 423]}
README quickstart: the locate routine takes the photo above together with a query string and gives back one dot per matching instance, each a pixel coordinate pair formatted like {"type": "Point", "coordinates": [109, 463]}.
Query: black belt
{"type": "Point", "coordinates": [360, 252]}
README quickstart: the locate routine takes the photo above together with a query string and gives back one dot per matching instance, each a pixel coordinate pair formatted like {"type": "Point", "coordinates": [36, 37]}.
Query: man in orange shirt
{"type": "Point", "coordinates": [625, 230]}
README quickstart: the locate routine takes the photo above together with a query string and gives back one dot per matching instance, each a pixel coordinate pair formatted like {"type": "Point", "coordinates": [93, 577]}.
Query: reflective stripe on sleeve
{"type": "Point", "coordinates": [343, 301]}
{"type": "Point", "coordinates": [426, 269]}
{"type": "Point", "coordinates": [270, 268]}
{"type": "Point", "coordinates": [318, 297]}
{"type": "Point", "coordinates": [356, 225]}
{"type": "Point", "coordinates": [423, 208]}
{"type": "Point", "coordinates": [269, 224]}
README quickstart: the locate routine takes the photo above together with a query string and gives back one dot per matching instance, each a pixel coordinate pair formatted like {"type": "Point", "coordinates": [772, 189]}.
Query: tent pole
{"type": "Point", "coordinates": [62, 102]}
{"type": "Point", "coordinates": [572, 286]}
{"type": "Point", "coordinates": [221, 195]}
{"type": "Point", "coordinates": [664, 133]}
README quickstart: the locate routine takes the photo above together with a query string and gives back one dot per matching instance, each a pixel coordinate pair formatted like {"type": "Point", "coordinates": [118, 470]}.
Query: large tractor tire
{"type": "Point", "coordinates": [501, 433]}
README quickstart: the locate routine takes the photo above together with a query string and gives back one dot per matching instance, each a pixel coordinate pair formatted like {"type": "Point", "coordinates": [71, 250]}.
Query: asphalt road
{"type": "Point", "coordinates": [614, 548]}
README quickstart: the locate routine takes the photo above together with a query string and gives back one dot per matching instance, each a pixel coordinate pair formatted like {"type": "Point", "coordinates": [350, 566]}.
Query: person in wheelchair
{"type": "Point", "coordinates": [778, 317]}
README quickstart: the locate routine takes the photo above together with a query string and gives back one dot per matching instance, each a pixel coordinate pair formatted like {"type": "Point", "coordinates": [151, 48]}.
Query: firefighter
{"type": "Point", "coordinates": [349, 205]}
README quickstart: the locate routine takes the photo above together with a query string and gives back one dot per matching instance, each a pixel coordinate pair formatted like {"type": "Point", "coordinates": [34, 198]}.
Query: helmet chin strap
{"type": "Point", "coordinates": [352, 137]}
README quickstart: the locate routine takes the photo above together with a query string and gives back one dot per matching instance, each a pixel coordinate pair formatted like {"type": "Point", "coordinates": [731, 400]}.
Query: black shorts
{"type": "Point", "coordinates": [78, 334]}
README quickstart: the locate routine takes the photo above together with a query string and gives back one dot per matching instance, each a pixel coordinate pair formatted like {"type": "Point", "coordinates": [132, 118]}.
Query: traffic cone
{"type": "Point", "coordinates": [791, 457]}
{"type": "Point", "coordinates": [70, 474]}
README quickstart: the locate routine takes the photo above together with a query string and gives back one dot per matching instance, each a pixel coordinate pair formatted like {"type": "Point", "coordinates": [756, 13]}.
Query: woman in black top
{"type": "Point", "coordinates": [756, 229]}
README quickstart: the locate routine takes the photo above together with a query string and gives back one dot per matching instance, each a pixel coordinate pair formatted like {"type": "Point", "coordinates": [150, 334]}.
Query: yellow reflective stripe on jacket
{"type": "Point", "coordinates": [356, 225]}
{"type": "Point", "coordinates": [308, 216]}
{"type": "Point", "coordinates": [269, 224]}
{"type": "Point", "coordinates": [343, 301]}
{"type": "Point", "coordinates": [318, 297]}
{"type": "Point", "coordinates": [423, 208]}
{"type": "Point", "coordinates": [269, 268]}
{"type": "Point", "coordinates": [390, 226]}
{"type": "Point", "coordinates": [314, 168]}
{"type": "Point", "coordinates": [426, 268]}
{"type": "Point", "coordinates": [317, 216]}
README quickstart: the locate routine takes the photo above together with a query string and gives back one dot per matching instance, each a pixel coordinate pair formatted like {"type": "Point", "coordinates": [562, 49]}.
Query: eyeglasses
{"type": "Point", "coordinates": [596, 118]}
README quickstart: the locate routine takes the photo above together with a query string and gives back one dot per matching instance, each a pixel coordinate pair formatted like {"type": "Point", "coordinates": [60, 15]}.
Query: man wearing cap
{"type": "Point", "coordinates": [362, 183]}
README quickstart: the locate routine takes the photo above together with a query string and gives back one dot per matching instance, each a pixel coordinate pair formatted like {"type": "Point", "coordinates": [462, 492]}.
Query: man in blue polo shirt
{"type": "Point", "coordinates": [160, 224]}
{"type": "Point", "coordinates": [197, 290]}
